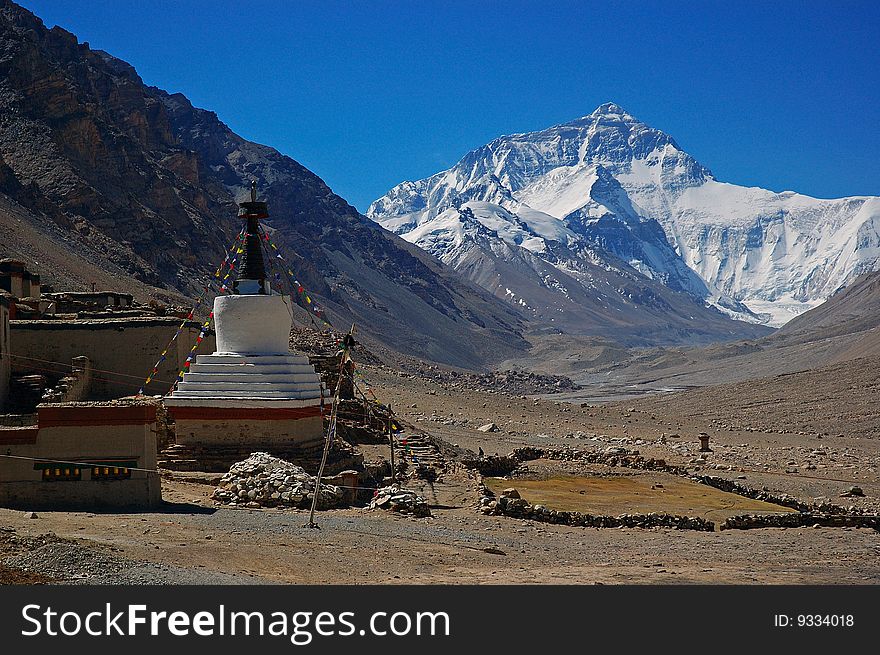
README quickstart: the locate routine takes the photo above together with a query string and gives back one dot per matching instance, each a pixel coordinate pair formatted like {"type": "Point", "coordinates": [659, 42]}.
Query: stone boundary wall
{"type": "Point", "coordinates": [777, 499]}
{"type": "Point", "coordinates": [519, 508]}
{"type": "Point", "coordinates": [73, 387]}
{"type": "Point", "coordinates": [825, 514]}
{"type": "Point", "coordinates": [801, 520]}
{"type": "Point", "coordinates": [501, 465]}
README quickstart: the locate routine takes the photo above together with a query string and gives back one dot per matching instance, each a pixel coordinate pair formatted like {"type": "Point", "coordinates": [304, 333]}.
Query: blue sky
{"type": "Point", "coordinates": [784, 95]}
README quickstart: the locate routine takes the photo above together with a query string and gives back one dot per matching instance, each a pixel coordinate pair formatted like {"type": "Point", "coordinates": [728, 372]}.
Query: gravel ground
{"type": "Point", "coordinates": [65, 562]}
{"type": "Point", "coordinates": [194, 541]}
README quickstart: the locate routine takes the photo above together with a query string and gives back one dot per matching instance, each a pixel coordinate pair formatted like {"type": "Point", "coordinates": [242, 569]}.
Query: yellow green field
{"type": "Point", "coordinates": [634, 494]}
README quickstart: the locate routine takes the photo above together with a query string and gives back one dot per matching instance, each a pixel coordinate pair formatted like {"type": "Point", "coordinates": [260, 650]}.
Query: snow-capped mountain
{"type": "Point", "coordinates": [614, 193]}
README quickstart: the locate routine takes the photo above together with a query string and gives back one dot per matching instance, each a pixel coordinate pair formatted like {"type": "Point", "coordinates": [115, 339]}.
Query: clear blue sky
{"type": "Point", "coordinates": [784, 95]}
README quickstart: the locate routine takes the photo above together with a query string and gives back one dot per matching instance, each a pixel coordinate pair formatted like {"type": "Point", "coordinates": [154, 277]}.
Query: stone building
{"type": "Point", "coordinates": [82, 456]}
{"type": "Point", "coordinates": [17, 280]}
{"type": "Point", "coordinates": [64, 302]}
{"type": "Point", "coordinates": [5, 358]}
{"type": "Point", "coordinates": [121, 350]}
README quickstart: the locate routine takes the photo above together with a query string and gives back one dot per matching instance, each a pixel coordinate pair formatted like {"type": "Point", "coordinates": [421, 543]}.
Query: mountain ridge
{"type": "Point", "coordinates": [750, 252]}
{"type": "Point", "coordinates": [146, 184]}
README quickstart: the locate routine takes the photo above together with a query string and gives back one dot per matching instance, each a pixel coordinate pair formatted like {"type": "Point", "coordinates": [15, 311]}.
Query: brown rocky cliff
{"type": "Point", "coordinates": [86, 142]}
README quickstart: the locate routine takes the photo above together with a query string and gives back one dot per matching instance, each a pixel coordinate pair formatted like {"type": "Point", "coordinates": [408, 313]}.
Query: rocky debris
{"type": "Point", "coordinates": [509, 382]}
{"type": "Point", "coordinates": [50, 559]}
{"type": "Point", "coordinates": [524, 382]}
{"type": "Point", "coordinates": [801, 520]}
{"type": "Point", "coordinates": [397, 499]}
{"type": "Point", "coordinates": [323, 349]}
{"type": "Point", "coordinates": [266, 481]}
{"type": "Point", "coordinates": [494, 466]}
{"type": "Point", "coordinates": [516, 507]}
{"type": "Point", "coordinates": [510, 492]}
{"type": "Point", "coordinates": [489, 427]}
{"type": "Point", "coordinates": [853, 491]}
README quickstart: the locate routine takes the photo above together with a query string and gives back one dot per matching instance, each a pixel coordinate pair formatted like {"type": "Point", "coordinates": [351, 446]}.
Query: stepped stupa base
{"type": "Point", "coordinates": [248, 401]}
{"type": "Point", "coordinates": [256, 424]}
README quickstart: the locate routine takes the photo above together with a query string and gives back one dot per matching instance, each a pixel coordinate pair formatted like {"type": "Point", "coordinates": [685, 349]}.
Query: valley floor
{"type": "Point", "coordinates": [194, 541]}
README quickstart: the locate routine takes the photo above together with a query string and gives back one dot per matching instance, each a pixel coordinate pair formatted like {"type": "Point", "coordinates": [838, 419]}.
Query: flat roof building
{"type": "Point", "coordinates": [83, 456]}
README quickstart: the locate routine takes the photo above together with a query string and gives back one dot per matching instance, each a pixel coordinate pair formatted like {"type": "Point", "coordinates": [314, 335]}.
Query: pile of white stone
{"type": "Point", "coordinates": [397, 499]}
{"type": "Point", "coordinates": [266, 481]}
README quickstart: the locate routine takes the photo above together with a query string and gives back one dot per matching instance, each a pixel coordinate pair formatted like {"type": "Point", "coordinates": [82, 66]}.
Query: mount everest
{"type": "Point", "coordinates": [579, 212]}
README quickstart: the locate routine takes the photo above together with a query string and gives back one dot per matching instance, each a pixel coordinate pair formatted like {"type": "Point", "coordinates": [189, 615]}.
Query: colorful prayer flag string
{"type": "Point", "coordinates": [228, 260]}
{"type": "Point", "coordinates": [295, 283]}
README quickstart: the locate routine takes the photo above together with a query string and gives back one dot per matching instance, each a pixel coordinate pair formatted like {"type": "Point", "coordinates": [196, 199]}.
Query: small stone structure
{"type": "Point", "coordinates": [5, 354]}
{"type": "Point", "coordinates": [266, 481]}
{"type": "Point", "coordinates": [82, 456]}
{"type": "Point", "coordinates": [397, 499]}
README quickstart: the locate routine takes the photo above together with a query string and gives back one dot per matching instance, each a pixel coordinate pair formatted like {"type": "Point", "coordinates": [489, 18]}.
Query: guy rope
{"type": "Point", "coordinates": [347, 345]}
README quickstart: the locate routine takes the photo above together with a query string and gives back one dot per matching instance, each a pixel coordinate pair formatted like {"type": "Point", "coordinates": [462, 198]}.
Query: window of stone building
{"type": "Point", "coordinates": [110, 473]}
{"type": "Point", "coordinates": [98, 470]}
{"type": "Point", "coordinates": [62, 473]}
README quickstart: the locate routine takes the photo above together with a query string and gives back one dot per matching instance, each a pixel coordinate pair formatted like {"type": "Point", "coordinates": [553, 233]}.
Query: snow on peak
{"type": "Point", "coordinates": [611, 182]}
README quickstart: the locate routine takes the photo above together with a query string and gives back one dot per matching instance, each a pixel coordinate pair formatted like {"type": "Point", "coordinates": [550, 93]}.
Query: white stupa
{"type": "Point", "coordinates": [252, 393]}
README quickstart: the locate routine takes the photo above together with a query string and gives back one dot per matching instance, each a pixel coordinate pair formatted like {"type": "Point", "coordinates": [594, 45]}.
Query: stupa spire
{"type": "Point", "coordinates": [252, 279]}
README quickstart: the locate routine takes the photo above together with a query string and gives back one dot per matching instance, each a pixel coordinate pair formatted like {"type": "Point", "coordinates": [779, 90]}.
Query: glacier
{"type": "Point", "coordinates": [617, 194]}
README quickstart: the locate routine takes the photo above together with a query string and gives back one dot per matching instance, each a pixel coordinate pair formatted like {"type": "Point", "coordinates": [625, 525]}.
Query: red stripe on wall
{"type": "Point", "coordinates": [49, 417]}
{"type": "Point", "coordinates": [18, 436]}
{"type": "Point", "coordinates": [244, 413]}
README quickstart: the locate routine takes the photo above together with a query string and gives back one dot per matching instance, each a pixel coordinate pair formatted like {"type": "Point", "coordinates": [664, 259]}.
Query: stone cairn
{"type": "Point", "coordinates": [397, 499]}
{"type": "Point", "coordinates": [266, 481]}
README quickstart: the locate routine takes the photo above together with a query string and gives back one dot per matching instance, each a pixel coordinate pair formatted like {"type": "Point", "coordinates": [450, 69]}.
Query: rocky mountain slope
{"type": "Point", "coordinates": [607, 181]}
{"type": "Point", "coordinates": [138, 182]}
{"type": "Point", "coordinates": [841, 334]}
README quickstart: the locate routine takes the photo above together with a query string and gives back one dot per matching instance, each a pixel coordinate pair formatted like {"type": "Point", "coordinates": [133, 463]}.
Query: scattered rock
{"type": "Point", "coordinates": [510, 492]}
{"type": "Point", "coordinates": [489, 427]}
{"type": "Point", "coordinates": [397, 499]}
{"type": "Point", "coordinates": [853, 491]}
